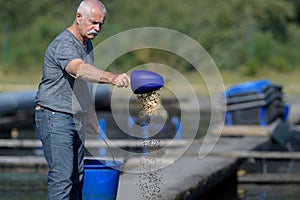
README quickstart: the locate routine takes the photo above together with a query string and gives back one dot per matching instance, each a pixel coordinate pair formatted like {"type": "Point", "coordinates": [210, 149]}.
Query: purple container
{"type": "Point", "coordinates": [143, 81]}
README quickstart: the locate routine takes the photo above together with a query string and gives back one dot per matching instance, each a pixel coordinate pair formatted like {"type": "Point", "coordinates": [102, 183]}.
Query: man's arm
{"type": "Point", "coordinates": [78, 69]}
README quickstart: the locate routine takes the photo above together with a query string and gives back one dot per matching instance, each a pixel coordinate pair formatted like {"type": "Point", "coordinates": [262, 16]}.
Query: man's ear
{"type": "Point", "coordinates": [78, 18]}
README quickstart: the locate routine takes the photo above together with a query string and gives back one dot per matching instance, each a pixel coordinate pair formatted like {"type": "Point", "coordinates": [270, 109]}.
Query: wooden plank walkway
{"type": "Point", "coordinates": [273, 178]}
{"type": "Point", "coordinates": [258, 154]}
{"type": "Point", "coordinates": [248, 130]}
{"type": "Point", "coordinates": [29, 143]}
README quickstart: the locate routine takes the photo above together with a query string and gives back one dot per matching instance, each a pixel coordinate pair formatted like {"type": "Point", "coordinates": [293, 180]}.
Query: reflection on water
{"type": "Point", "coordinates": [268, 192]}
{"type": "Point", "coordinates": [260, 192]}
{"type": "Point", "coordinates": [237, 191]}
{"type": "Point", "coordinates": [24, 195]}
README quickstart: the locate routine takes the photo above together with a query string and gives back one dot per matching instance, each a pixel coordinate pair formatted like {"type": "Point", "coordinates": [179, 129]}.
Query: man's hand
{"type": "Point", "coordinates": [121, 80]}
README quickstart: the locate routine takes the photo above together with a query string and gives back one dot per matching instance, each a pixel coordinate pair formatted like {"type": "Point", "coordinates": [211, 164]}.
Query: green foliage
{"type": "Point", "coordinates": [31, 25]}
{"type": "Point", "coordinates": [250, 68]}
{"type": "Point", "coordinates": [235, 32]}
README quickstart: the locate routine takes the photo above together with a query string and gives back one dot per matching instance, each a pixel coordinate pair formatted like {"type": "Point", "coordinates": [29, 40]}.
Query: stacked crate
{"type": "Point", "coordinates": [254, 103]}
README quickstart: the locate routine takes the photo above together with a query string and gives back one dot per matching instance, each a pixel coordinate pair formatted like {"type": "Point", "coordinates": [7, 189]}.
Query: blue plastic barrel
{"type": "Point", "coordinates": [101, 179]}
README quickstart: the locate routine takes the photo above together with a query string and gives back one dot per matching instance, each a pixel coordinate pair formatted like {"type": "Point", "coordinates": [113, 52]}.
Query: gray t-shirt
{"type": "Point", "coordinates": [58, 90]}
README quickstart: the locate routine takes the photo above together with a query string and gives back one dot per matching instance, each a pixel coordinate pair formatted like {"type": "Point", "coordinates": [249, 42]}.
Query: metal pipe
{"type": "Point", "coordinates": [11, 102]}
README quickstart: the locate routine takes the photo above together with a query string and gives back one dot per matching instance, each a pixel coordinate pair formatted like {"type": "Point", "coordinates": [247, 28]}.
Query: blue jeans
{"type": "Point", "coordinates": [64, 152]}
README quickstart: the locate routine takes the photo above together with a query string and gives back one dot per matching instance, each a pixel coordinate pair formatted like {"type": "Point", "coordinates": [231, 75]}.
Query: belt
{"type": "Point", "coordinates": [38, 107]}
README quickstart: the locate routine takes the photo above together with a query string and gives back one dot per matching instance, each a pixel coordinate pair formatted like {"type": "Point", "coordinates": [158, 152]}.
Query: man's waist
{"type": "Point", "coordinates": [39, 107]}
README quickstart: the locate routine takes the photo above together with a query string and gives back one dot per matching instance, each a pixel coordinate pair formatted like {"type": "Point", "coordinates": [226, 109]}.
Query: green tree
{"type": "Point", "coordinates": [234, 32]}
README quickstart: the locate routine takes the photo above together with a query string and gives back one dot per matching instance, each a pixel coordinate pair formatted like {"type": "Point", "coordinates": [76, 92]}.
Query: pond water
{"type": "Point", "coordinates": [31, 185]}
{"type": "Point", "coordinates": [232, 192]}
{"type": "Point", "coordinates": [256, 192]}
{"type": "Point", "coordinates": [24, 195]}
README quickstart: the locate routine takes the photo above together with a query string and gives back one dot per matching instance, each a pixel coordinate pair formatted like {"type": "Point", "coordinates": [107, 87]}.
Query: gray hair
{"type": "Point", "coordinates": [86, 5]}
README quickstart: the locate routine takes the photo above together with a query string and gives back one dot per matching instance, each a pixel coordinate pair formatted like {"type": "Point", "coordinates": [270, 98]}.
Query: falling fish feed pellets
{"type": "Point", "coordinates": [150, 102]}
{"type": "Point", "coordinates": [149, 105]}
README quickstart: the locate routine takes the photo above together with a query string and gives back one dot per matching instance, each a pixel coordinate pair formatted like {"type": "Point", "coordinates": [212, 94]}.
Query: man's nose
{"type": "Point", "coordinates": [97, 27]}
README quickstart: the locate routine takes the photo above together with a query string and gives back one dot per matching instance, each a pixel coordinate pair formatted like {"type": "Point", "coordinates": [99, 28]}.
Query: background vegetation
{"type": "Point", "coordinates": [253, 38]}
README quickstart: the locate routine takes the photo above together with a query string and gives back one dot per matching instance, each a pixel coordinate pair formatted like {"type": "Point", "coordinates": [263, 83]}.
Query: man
{"type": "Point", "coordinates": [64, 108]}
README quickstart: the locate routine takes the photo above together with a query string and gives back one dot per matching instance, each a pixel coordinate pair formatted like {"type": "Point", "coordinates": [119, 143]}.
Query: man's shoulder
{"type": "Point", "coordinates": [65, 38]}
{"type": "Point", "coordinates": [64, 35]}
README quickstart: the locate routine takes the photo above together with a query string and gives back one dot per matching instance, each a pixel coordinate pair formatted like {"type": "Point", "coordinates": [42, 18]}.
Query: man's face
{"type": "Point", "coordinates": [90, 26]}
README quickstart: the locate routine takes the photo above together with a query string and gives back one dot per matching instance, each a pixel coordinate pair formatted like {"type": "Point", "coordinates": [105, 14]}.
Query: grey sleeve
{"type": "Point", "coordinates": [65, 53]}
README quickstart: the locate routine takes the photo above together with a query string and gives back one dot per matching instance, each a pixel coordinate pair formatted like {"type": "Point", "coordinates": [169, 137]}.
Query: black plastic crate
{"type": "Point", "coordinates": [254, 103]}
{"type": "Point", "coordinates": [256, 115]}
{"type": "Point", "coordinates": [247, 97]}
